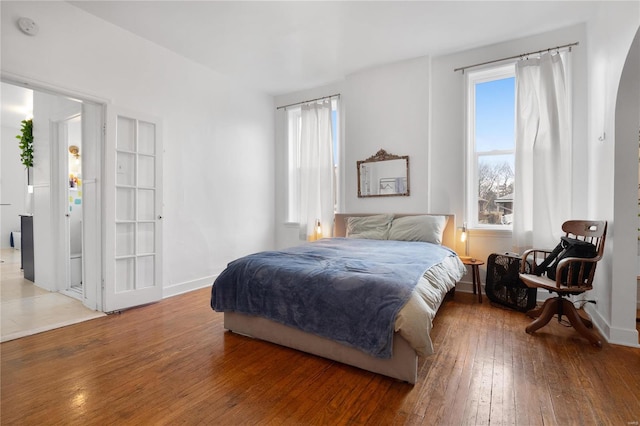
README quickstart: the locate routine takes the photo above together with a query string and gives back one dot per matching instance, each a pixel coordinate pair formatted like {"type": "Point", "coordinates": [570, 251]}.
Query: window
{"type": "Point", "coordinates": [294, 123]}
{"type": "Point", "coordinates": [491, 147]}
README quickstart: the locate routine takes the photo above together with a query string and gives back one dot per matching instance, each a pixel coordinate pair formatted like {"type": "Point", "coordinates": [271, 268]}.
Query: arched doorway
{"type": "Point", "coordinates": [627, 124]}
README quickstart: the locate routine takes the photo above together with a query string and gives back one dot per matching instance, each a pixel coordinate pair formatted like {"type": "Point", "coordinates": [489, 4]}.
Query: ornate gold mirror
{"type": "Point", "coordinates": [383, 175]}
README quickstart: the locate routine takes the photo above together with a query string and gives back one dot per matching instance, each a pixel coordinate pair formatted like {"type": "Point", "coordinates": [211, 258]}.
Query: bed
{"type": "Point", "coordinates": [393, 331]}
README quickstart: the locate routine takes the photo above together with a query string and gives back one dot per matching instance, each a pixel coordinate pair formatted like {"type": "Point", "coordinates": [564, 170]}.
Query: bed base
{"type": "Point", "coordinates": [403, 365]}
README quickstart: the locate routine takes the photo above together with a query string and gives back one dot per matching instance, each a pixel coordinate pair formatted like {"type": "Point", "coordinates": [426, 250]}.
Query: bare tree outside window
{"type": "Point", "coordinates": [495, 193]}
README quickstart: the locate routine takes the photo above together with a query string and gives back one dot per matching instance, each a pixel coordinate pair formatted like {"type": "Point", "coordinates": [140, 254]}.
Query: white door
{"type": "Point", "coordinates": [68, 204]}
{"type": "Point", "coordinates": [133, 202]}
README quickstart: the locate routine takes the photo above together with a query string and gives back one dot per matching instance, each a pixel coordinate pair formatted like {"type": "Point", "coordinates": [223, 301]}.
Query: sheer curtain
{"type": "Point", "coordinates": [316, 171]}
{"type": "Point", "coordinates": [543, 162]}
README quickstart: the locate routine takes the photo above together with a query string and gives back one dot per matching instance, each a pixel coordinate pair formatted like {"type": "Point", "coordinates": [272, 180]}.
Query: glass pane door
{"type": "Point", "coordinates": [135, 277]}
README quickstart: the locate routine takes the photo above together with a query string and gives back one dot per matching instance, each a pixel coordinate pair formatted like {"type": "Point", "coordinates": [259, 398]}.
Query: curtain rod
{"type": "Point", "coordinates": [518, 56]}
{"type": "Point", "coordinates": [310, 100]}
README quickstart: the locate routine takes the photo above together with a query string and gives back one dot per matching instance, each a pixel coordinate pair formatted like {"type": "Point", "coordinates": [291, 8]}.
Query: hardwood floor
{"type": "Point", "coordinates": [173, 363]}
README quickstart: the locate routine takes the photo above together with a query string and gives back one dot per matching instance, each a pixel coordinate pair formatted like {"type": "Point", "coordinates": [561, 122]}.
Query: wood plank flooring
{"type": "Point", "coordinates": [173, 363]}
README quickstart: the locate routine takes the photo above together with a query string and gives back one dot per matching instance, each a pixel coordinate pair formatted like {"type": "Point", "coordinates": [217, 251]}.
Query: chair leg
{"type": "Point", "coordinates": [579, 323]}
{"type": "Point", "coordinates": [544, 314]}
{"type": "Point", "coordinates": [535, 313]}
{"type": "Point", "coordinates": [586, 322]}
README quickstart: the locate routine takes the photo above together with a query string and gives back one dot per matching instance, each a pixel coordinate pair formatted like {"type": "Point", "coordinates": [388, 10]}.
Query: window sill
{"type": "Point", "coordinates": [490, 232]}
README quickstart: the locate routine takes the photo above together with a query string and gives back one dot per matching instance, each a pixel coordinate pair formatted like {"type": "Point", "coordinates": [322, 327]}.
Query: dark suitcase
{"type": "Point", "coordinates": [503, 285]}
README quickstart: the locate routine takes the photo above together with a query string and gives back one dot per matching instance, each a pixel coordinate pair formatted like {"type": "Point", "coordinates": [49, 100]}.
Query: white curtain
{"type": "Point", "coordinates": [316, 171]}
{"type": "Point", "coordinates": [542, 199]}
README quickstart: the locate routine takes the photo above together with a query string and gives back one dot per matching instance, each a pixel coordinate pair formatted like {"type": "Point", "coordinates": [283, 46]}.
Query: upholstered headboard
{"type": "Point", "coordinates": [448, 237]}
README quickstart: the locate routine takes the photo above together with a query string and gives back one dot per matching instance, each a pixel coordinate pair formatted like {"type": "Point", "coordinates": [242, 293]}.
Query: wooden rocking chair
{"type": "Point", "coordinates": [578, 278]}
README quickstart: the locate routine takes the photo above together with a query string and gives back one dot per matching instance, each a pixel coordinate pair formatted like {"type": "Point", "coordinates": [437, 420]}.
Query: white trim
{"type": "Point", "coordinates": [187, 286]}
{"type": "Point", "coordinates": [472, 78]}
{"type": "Point", "coordinates": [42, 86]}
{"type": "Point", "coordinates": [616, 336]}
{"type": "Point", "coordinates": [489, 232]}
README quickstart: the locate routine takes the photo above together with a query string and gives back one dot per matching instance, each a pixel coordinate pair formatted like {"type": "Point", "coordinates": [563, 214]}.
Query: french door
{"type": "Point", "coordinates": [133, 215]}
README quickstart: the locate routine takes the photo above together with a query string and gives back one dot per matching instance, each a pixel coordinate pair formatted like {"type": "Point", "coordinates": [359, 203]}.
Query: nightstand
{"type": "Point", "coordinates": [475, 273]}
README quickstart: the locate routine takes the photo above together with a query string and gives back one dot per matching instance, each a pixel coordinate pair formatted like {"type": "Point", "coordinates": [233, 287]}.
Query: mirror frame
{"type": "Point", "coordinates": [383, 155]}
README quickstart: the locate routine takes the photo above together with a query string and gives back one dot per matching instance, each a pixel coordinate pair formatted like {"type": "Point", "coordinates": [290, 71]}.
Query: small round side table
{"type": "Point", "coordinates": [475, 273]}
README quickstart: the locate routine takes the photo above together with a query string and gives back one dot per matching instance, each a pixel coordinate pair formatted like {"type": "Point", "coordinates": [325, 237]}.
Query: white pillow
{"type": "Point", "coordinates": [424, 228]}
{"type": "Point", "coordinates": [374, 227]}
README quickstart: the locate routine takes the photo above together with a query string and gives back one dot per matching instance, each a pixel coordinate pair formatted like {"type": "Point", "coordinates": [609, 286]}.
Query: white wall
{"type": "Point", "coordinates": [447, 168]}
{"type": "Point", "coordinates": [381, 108]}
{"type": "Point", "coordinates": [388, 108]}
{"type": "Point", "coordinates": [218, 135]}
{"type": "Point", "coordinates": [416, 108]}
{"type": "Point", "coordinates": [613, 163]}
{"type": "Point", "coordinates": [13, 183]}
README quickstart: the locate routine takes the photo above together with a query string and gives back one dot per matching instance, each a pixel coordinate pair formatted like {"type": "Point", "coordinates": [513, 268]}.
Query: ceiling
{"type": "Point", "coordinates": [283, 47]}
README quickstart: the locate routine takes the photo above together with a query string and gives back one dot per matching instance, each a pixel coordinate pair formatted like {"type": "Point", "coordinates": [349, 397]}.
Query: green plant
{"type": "Point", "coordinates": [26, 143]}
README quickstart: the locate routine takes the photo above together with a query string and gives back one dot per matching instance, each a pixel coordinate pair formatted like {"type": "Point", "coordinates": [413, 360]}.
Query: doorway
{"type": "Point", "coordinates": [121, 209]}
{"type": "Point", "coordinates": [68, 140]}
{"type": "Point", "coordinates": [624, 295]}
{"type": "Point", "coordinates": [64, 196]}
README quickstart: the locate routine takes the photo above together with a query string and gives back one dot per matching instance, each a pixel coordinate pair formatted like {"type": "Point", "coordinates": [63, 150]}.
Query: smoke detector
{"type": "Point", "coordinates": [28, 26]}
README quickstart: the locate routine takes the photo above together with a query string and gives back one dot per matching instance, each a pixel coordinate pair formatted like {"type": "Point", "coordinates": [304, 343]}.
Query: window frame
{"type": "Point", "coordinates": [471, 155]}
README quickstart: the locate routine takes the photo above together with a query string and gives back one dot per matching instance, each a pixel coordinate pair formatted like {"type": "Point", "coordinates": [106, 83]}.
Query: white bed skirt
{"type": "Point", "coordinates": [402, 366]}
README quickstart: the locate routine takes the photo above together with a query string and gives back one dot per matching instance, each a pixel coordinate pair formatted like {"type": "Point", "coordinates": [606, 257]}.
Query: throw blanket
{"type": "Point", "coordinates": [347, 290]}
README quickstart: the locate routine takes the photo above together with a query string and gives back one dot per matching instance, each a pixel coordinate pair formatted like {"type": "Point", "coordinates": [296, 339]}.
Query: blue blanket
{"type": "Point", "coordinates": [348, 290]}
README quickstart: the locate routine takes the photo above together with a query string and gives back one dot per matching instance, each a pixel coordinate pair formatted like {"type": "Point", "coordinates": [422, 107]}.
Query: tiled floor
{"type": "Point", "coordinates": [27, 309]}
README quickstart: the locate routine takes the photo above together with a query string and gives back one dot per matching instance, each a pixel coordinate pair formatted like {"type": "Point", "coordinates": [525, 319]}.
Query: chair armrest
{"type": "Point", "coordinates": [536, 254]}
{"type": "Point", "coordinates": [572, 263]}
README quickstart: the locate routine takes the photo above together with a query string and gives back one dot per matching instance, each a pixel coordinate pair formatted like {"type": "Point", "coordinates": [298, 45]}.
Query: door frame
{"type": "Point", "coordinates": [93, 274]}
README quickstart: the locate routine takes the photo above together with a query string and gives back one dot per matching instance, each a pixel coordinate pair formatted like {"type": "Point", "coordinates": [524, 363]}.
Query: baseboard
{"type": "Point", "coordinates": [467, 287]}
{"type": "Point", "coordinates": [613, 335]}
{"type": "Point", "coordinates": [188, 286]}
